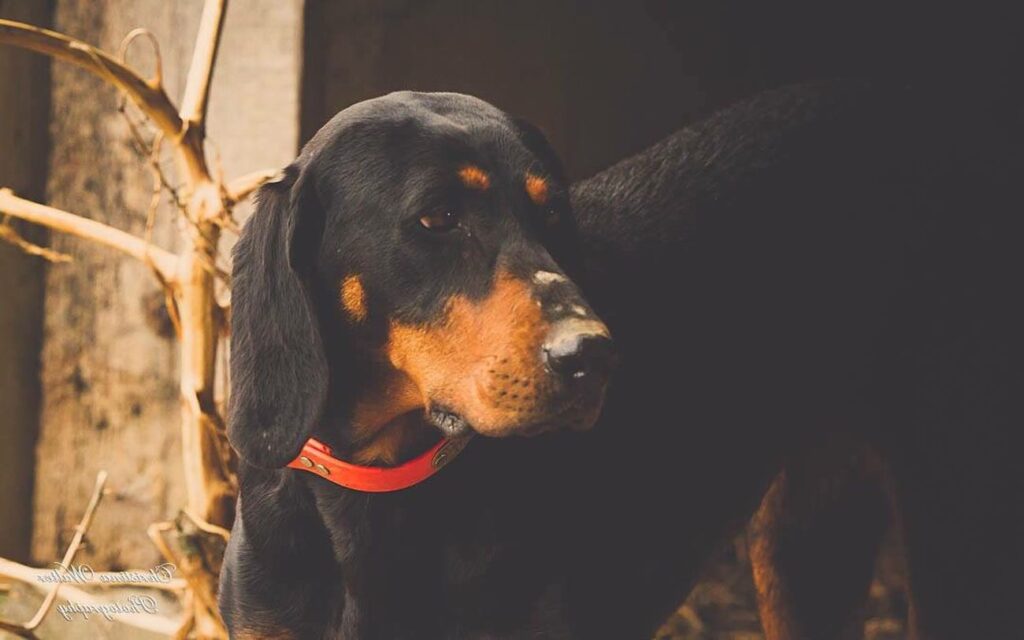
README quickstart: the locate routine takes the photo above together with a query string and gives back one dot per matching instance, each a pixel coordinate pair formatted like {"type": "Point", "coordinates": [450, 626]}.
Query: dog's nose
{"type": "Point", "coordinates": [578, 349]}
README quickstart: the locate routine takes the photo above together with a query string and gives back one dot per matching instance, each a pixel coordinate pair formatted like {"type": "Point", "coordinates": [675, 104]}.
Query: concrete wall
{"type": "Point", "coordinates": [24, 96]}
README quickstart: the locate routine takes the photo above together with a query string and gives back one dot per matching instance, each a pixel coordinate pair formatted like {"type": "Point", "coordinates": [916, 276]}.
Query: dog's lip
{"type": "Point", "coordinates": [450, 423]}
{"type": "Point", "coordinates": [454, 425]}
{"type": "Point", "coordinates": [570, 416]}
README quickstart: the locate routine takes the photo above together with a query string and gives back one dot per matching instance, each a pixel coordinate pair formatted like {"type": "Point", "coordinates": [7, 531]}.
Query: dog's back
{"type": "Point", "coordinates": [820, 263]}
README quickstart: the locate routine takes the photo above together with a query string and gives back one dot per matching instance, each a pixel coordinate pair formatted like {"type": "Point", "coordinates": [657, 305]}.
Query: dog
{"type": "Point", "coordinates": [404, 277]}
{"type": "Point", "coordinates": [812, 295]}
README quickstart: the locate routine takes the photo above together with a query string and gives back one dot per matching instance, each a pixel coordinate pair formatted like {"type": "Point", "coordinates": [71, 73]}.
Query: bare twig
{"type": "Point", "coordinates": [150, 98]}
{"type": "Point", "coordinates": [205, 202]}
{"type": "Point", "coordinates": [38, 578]}
{"type": "Point", "coordinates": [207, 527]}
{"type": "Point", "coordinates": [193, 574]}
{"type": "Point", "coordinates": [76, 541]}
{"type": "Point", "coordinates": [158, 183]}
{"type": "Point", "coordinates": [204, 56]}
{"type": "Point", "coordinates": [8, 233]}
{"type": "Point", "coordinates": [27, 630]}
{"type": "Point", "coordinates": [164, 262]}
{"type": "Point", "coordinates": [158, 73]}
{"type": "Point", "coordinates": [188, 623]}
{"type": "Point", "coordinates": [150, 151]}
{"type": "Point", "coordinates": [243, 186]}
{"type": "Point", "coordinates": [30, 577]}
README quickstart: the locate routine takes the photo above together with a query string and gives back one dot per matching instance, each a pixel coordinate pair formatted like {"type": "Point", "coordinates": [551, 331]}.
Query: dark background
{"type": "Point", "coordinates": [603, 79]}
{"type": "Point", "coordinates": [606, 79]}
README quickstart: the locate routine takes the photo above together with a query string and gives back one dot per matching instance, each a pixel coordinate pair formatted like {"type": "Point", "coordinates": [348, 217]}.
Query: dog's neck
{"type": "Point", "coordinates": [386, 549]}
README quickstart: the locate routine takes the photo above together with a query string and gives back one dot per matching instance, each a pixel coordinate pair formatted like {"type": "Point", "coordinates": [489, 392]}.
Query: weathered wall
{"type": "Point", "coordinates": [110, 398]}
{"type": "Point", "coordinates": [24, 95]}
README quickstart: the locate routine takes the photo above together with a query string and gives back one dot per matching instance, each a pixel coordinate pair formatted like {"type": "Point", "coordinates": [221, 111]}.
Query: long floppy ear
{"type": "Point", "coordinates": [279, 373]}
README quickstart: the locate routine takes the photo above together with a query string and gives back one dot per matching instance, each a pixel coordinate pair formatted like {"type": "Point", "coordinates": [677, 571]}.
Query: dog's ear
{"type": "Point", "coordinates": [279, 374]}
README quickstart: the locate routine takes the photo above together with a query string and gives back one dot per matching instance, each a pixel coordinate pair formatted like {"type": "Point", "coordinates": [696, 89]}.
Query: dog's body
{"type": "Point", "coordinates": [808, 275]}
{"type": "Point", "coordinates": [821, 271]}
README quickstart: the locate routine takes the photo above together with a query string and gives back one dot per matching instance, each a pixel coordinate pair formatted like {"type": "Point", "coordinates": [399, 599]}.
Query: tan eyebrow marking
{"type": "Point", "coordinates": [353, 298]}
{"type": "Point", "coordinates": [537, 188]}
{"type": "Point", "coordinates": [474, 177]}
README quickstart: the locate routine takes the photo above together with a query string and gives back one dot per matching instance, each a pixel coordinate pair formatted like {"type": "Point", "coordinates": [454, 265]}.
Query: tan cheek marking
{"type": "Point", "coordinates": [480, 357]}
{"type": "Point", "coordinates": [353, 298]}
{"type": "Point", "coordinates": [474, 177]}
{"type": "Point", "coordinates": [537, 188]}
{"type": "Point", "coordinates": [447, 359]}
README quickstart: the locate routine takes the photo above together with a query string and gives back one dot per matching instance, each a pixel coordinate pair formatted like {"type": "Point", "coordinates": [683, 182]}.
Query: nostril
{"type": "Point", "coordinates": [564, 358]}
{"type": "Point", "coordinates": [576, 355]}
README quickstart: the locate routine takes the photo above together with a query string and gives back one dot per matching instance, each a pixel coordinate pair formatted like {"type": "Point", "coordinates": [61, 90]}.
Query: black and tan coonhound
{"type": "Point", "coordinates": [815, 301]}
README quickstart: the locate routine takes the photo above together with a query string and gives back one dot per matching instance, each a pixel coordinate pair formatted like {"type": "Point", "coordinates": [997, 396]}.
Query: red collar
{"type": "Point", "coordinates": [316, 457]}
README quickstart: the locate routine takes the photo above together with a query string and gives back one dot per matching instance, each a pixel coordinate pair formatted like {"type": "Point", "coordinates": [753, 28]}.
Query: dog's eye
{"type": "Point", "coordinates": [441, 220]}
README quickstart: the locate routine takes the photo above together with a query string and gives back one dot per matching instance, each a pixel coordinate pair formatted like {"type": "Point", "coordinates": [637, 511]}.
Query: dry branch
{"type": "Point", "coordinates": [204, 56]}
{"type": "Point", "coordinates": [202, 585]}
{"type": "Point", "coordinates": [8, 234]}
{"type": "Point", "coordinates": [151, 98]}
{"type": "Point", "coordinates": [133, 35]}
{"type": "Point", "coordinates": [243, 186]}
{"type": "Point", "coordinates": [163, 262]}
{"type": "Point", "coordinates": [30, 577]}
{"type": "Point", "coordinates": [104, 579]}
{"type": "Point", "coordinates": [189, 278]}
{"type": "Point", "coordinates": [27, 630]}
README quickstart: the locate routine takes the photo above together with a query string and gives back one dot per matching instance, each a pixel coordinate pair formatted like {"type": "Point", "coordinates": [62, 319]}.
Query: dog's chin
{"type": "Point", "coordinates": [449, 422]}
{"type": "Point", "coordinates": [574, 418]}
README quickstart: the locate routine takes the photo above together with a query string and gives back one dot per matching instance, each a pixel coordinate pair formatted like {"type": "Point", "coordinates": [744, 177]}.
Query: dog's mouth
{"type": "Point", "coordinates": [453, 426]}
{"type": "Point", "coordinates": [450, 423]}
{"type": "Point", "coordinates": [578, 415]}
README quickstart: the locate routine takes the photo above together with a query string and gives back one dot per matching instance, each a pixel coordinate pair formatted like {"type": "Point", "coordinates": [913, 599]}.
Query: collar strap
{"type": "Point", "coordinates": [316, 457]}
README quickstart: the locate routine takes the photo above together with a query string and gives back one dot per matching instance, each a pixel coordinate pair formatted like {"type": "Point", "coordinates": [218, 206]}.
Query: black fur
{"type": "Point", "coordinates": [278, 362]}
{"type": "Point", "coordinates": [814, 265]}
{"type": "Point", "coordinates": [349, 204]}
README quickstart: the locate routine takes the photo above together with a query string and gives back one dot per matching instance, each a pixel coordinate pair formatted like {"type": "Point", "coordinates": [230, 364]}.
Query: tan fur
{"type": "Point", "coordinates": [386, 448]}
{"type": "Point", "coordinates": [353, 298]}
{"type": "Point", "coordinates": [474, 177]}
{"type": "Point", "coordinates": [385, 417]}
{"type": "Point", "coordinates": [770, 592]}
{"type": "Point", "coordinates": [482, 358]}
{"type": "Point", "coordinates": [537, 188]}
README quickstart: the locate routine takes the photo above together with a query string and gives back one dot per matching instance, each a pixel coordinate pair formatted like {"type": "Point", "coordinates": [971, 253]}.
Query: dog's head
{"type": "Point", "coordinates": [404, 271]}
